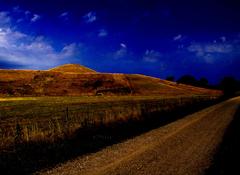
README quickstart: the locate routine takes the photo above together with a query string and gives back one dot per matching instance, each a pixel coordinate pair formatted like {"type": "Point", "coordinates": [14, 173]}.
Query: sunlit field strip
{"type": "Point", "coordinates": [51, 117]}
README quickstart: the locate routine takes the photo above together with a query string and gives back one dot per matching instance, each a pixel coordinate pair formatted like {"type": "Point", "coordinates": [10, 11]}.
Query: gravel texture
{"type": "Point", "coordinates": [183, 147]}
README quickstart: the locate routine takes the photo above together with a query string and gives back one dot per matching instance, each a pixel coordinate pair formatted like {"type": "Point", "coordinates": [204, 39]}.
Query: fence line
{"type": "Point", "coordinates": [86, 108]}
{"type": "Point", "coordinates": [58, 122]}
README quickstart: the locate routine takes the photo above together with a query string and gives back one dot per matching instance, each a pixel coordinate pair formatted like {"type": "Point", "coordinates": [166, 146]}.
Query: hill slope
{"type": "Point", "coordinates": [77, 80]}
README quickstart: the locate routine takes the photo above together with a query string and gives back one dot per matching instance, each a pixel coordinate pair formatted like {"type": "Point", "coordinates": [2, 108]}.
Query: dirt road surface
{"type": "Point", "coordinates": [183, 147]}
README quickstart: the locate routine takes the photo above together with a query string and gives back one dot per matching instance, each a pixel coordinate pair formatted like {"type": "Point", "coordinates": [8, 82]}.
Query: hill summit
{"type": "Point", "coordinates": [72, 68]}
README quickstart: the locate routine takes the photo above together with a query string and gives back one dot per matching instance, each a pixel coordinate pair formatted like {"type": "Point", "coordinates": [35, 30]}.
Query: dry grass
{"type": "Point", "coordinates": [48, 118]}
{"type": "Point", "coordinates": [76, 80]}
{"type": "Point", "coordinates": [183, 147]}
{"type": "Point", "coordinates": [72, 68]}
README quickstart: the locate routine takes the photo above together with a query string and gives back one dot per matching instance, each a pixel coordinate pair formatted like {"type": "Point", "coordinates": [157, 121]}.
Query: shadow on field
{"type": "Point", "coordinates": [30, 157]}
{"type": "Point", "coordinates": [227, 158]}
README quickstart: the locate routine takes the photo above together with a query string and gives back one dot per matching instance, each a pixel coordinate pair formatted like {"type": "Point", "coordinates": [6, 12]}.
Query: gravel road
{"type": "Point", "coordinates": [183, 147]}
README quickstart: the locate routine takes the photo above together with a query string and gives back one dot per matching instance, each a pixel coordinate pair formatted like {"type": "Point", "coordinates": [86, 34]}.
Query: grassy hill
{"type": "Point", "coordinates": [72, 68]}
{"type": "Point", "coordinates": [75, 80]}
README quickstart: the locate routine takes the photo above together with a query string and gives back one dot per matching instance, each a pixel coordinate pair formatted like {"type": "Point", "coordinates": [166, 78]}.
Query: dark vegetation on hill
{"type": "Point", "coordinates": [229, 85]}
{"type": "Point", "coordinates": [191, 80]}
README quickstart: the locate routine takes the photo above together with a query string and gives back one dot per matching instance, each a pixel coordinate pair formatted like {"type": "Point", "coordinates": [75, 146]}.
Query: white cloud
{"type": "Point", "coordinates": [8, 37]}
{"type": "Point", "coordinates": [196, 48]}
{"type": "Point", "coordinates": [4, 18]}
{"type": "Point", "coordinates": [69, 51]}
{"type": "Point", "coordinates": [27, 13]}
{"type": "Point", "coordinates": [151, 56]}
{"type": "Point", "coordinates": [201, 49]}
{"type": "Point", "coordinates": [90, 17]}
{"type": "Point", "coordinates": [218, 48]}
{"type": "Point", "coordinates": [64, 16]}
{"type": "Point", "coordinates": [122, 52]}
{"type": "Point", "coordinates": [35, 18]}
{"type": "Point", "coordinates": [102, 33]}
{"type": "Point", "coordinates": [29, 51]}
{"type": "Point", "coordinates": [223, 39]}
{"type": "Point", "coordinates": [178, 37]}
{"type": "Point", "coordinates": [209, 52]}
{"type": "Point", "coordinates": [123, 45]}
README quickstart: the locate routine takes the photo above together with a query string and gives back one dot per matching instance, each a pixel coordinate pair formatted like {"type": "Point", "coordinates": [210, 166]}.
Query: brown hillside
{"type": "Point", "coordinates": [77, 80]}
{"type": "Point", "coordinates": [72, 68]}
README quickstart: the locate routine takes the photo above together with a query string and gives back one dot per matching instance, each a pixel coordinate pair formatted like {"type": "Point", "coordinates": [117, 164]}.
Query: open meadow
{"type": "Point", "coordinates": [30, 118]}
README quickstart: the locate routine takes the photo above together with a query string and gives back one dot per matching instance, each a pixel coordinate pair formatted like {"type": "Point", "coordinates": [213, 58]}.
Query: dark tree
{"type": "Point", "coordinates": [187, 79]}
{"type": "Point", "coordinates": [229, 85]}
{"type": "Point", "coordinates": [203, 82]}
{"type": "Point", "coordinates": [97, 84]}
{"type": "Point", "coordinates": [170, 78]}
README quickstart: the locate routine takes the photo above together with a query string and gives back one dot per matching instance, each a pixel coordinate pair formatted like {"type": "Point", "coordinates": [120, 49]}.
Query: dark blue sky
{"type": "Point", "coordinates": [157, 38]}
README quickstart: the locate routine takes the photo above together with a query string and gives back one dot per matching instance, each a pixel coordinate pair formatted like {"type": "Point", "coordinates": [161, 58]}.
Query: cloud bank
{"type": "Point", "coordinates": [30, 51]}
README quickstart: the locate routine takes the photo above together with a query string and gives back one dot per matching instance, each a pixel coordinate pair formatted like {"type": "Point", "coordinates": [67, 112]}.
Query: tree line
{"type": "Point", "coordinates": [229, 85]}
